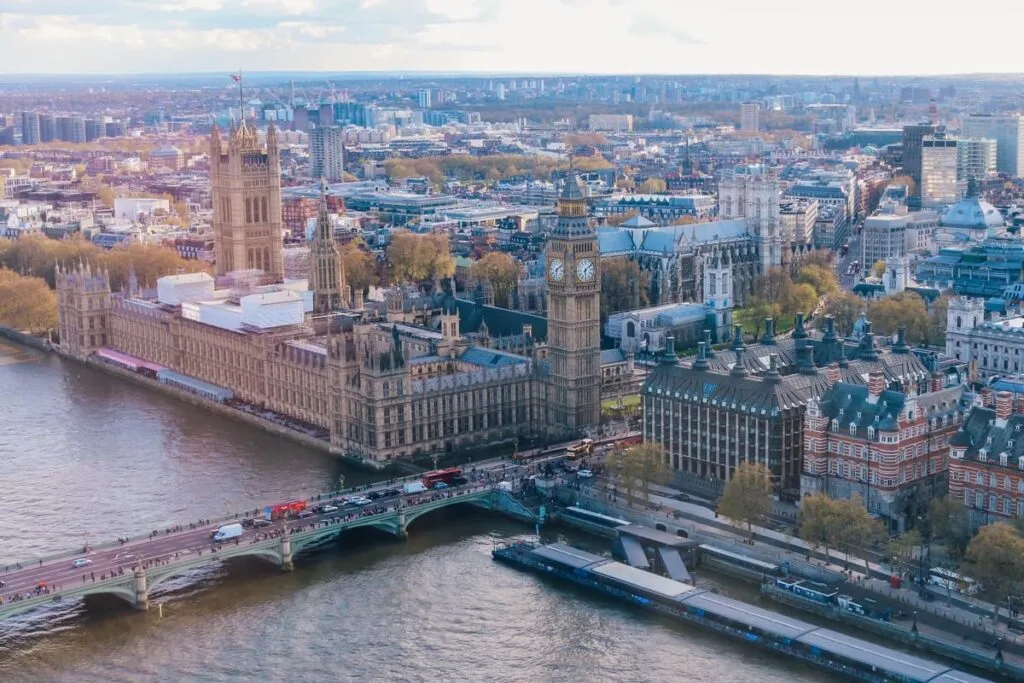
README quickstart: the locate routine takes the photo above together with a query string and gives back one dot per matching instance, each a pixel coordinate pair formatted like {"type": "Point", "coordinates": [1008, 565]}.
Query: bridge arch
{"type": "Point", "coordinates": [478, 500]}
{"type": "Point", "coordinates": [155, 577]}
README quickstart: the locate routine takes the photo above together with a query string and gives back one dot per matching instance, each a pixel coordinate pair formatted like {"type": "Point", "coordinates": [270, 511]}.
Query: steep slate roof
{"type": "Point", "coordinates": [500, 322]}
{"type": "Point", "coordinates": [981, 425]}
{"type": "Point", "coordinates": [858, 410]}
{"type": "Point", "coordinates": [748, 394]}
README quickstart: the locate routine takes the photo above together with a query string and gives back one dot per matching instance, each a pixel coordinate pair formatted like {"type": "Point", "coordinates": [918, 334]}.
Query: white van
{"type": "Point", "coordinates": [227, 532]}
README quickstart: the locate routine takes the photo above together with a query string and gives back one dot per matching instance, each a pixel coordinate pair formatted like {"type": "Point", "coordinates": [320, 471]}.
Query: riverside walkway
{"type": "Point", "coordinates": [132, 568]}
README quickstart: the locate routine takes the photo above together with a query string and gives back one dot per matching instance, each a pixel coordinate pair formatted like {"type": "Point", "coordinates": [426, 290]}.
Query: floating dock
{"type": "Point", "coordinates": [821, 647]}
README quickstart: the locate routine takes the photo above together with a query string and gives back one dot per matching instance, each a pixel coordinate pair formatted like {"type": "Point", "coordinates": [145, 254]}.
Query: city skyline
{"type": "Point", "coordinates": [468, 36]}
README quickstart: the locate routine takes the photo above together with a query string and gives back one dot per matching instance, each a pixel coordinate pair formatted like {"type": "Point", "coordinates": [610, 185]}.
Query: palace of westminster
{"type": "Point", "coordinates": [414, 374]}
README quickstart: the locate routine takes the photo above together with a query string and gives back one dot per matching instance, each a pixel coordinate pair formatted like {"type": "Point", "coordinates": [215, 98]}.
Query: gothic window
{"type": "Point", "coordinates": [264, 212]}
{"type": "Point", "coordinates": [248, 211]}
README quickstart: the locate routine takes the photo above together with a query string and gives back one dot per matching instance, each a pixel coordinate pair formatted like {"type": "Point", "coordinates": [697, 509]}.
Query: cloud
{"type": "Point", "coordinates": [566, 36]}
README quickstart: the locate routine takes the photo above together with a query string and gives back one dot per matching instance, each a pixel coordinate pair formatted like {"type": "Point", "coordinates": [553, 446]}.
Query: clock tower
{"type": "Point", "coordinates": [574, 316]}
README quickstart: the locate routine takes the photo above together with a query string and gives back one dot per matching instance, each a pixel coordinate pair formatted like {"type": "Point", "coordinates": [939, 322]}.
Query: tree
{"type": "Point", "coordinates": [652, 186]}
{"type": "Point", "coordinates": [937, 318]}
{"type": "Point", "coordinates": [502, 271]}
{"type": "Point", "coordinates": [747, 498]}
{"type": "Point", "coordinates": [949, 523]}
{"type": "Point", "coordinates": [26, 303]}
{"type": "Point", "coordinates": [641, 465]}
{"type": "Point", "coordinates": [995, 558]}
{"type": "Point", "coordinates": [803, 299]}
{"type": "Point", "coordinates": [822, 258]}
{"type": "Point", "coordinates": [415, 258]}
{"type": "Point", "coordinates": [845, 307]}
{"type": "Point", "coordinates": [360, 267]}
{"type": "Point", "coordinates": [901, 548]}
{"type": "Point", "coordinates": [775, 295]}
{"type": "Point", "coordinates": [623, 286]}
{"type": "Point", "coordinates": [843, 525]}
{"type": "Point", "coordinates": [878, 270]}
{"type": "Point", "coordinates": [817, 525]}
{"type": "Point", "coordinates": [620, 218]}
{"type": "Point", "coordinates": [106, 194]}
{"type": "Point", "coordinates": [822, 280]}
{"type": "Point", "coordinates": [906, 309]}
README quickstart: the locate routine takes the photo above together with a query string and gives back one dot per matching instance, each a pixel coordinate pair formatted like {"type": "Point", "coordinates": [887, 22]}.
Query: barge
{"type": "Point", "coordinates": [820, 647]}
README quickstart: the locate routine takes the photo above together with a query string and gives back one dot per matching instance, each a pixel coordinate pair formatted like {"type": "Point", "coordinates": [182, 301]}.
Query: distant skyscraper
{"type": "Point", "coordinates": [29, 128]}
{"type": "Point", "coordinates": [300, 118]}
{"type": "Point", "coordinates": [95, 129]}
{"type": "Point", "coordinates": [939, 185]}
{"type": "Point", "coordinates": [750, 116]}
{"type": "Point", "coordinates": [976, 158]}
{"type": "Point", "coordinates": [47, 128]}
{"type": "Point", "coordinates": [327, 153]}
{"type": "Point", "coordinates": [71, 129]}
{"type": "Point", "coordinates": [912, 137]}
{"type": "Point", "coordinates": [1008, 132]}
{"type": "Point", "coordinates": [423, 99]}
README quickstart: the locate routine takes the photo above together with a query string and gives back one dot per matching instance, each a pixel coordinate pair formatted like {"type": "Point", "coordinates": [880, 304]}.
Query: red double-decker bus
{"type": "Point", "coordinates": [283, 510]}
{"type": "Point", "coordinates": [630, 440]}
{"type": "Point", "coordinates": [430, 479]}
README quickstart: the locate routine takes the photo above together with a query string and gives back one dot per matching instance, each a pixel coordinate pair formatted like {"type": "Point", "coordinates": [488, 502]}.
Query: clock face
{"type": "Point", "coordinates": [585, 270]}
{"type": "Point", "coordinates": [557, 269]}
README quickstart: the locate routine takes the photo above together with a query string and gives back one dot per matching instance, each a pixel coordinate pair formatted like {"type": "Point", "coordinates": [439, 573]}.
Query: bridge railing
{"type": "Point", "coordinates": [214, 522]}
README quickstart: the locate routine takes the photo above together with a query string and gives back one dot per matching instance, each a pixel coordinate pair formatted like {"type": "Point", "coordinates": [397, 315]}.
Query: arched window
{"type": "Point", "coordinates": [835, 425]}
{"type": "Point", "coordinates": [248, 210]}
{"type": "Point", "coordinates": [630, 329]}
{"type": "Point", "coordinates": [266, 214]}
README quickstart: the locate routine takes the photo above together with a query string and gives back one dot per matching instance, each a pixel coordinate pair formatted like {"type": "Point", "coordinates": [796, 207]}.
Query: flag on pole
{"type": "Point", "coordinates": [237, 78]}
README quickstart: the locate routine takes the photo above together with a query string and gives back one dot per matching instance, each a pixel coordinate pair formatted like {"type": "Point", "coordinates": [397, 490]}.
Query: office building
{"type": "Point", "coordinates": [615, 123]}
{"type": "Point", "coordinates": [1007, 131]}
{"type": "Point", "coordinates": [327, 153]}
{"type": "Point", "coordinates": [986, 460]}
{"type": "Point", "coordinates": [882, 443]}
{"type": "Point", "coordinates": [30, 134]}
{"type": "Point", "coordinates": [750, 114]}
{"type": "Point", "coordinates": [939, 163]}
{"type": "Point", "coordinates": [976, 158]}
{"type": "Point", "coordinates": [990, 348]}
{"type": "Point", "coordinates": [913, 135]}
{"type": "Point", "coordinates": [423, 99]}
{"type": "Point", "coordinates": [47, 128]}
{"type": "Point", "coordinates": [95, 129]}
{"type": "Point", "coordinates": [71, 129]}
{"type": "Point", "coordinates": [246, 184]}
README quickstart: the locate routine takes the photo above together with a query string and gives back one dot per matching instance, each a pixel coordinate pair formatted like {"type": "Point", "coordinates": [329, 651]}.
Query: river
{"type": "Point", "coordinates": [86, 457]}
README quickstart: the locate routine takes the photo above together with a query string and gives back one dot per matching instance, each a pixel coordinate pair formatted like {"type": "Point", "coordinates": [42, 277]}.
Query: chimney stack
{"type": "Point", "coordinates": [805, 358]}
{"type": "Point", "coordinates": [876, 383]}
{"type": "Point", "coordinates": [769, 331]}
{"type": "Point", "coordinates": [832, 374]}
{"type": "Point", "coordinates": [702, 357]}
{"type": "Point", "coordinates": [1004, 405]}
{"type": "Point", "coordinates": [739, 370]}
{"type": "Point", "coordinates": [901, 340]}
{"type": "Point", "coordinates": [986, 397]}
{"type": "Point", "coordinates": [830, 328]}
{"type": "Point", "coordinates": [737, 339]}
{"type": "Point", "coordinates": [773, 376]}
{"type": "Point", "coordinates": [710, 352]}
{"type": "Point", "coordinates": [798, 328]}
{"type": "Point", "coordinates": [938, 381]}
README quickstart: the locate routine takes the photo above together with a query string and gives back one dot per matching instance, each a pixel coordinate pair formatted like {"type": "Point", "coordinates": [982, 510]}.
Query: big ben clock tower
{"type": "Point", "coordinates": [574, 316]}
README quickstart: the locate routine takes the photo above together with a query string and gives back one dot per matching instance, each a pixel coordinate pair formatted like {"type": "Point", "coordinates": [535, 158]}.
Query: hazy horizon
{"type": "Point", "coordinates": [500, 37]}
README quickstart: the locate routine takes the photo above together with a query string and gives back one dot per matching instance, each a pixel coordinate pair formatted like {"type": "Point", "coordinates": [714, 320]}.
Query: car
{"type": "Point", "coordinates": [359, 500]}
{"type": "Point", "coordinates": [440, 485]}
{"type": "Point", "coordinates": [306, 513]}
{"type": "Point", "coordinates": [81, 562]}
{"type": "Point", "coordinates": [682, 497]}
{"type": "Point", "coordinates": [374, 495]}
{"type": "Point", "coordinates": [584, 474]}
{"type": "Point", "coordinates": [261, 522]}
{"type": "Point", "coordinates": [329, 508]}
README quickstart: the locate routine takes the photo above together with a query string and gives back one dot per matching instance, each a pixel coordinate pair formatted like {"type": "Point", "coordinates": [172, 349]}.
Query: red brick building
{"type": "Point", "coordinates": [986, 460]}
{"type": "Point", "coordinates": [884, 443]}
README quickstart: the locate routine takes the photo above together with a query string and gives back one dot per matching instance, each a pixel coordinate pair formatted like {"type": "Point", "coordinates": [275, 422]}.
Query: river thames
{"type": "Point", "coordinates": [87, 457]}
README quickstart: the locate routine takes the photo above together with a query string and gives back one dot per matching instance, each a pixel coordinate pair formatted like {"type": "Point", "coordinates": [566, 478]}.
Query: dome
{"type": "Point", "coordinates": [972, 212]}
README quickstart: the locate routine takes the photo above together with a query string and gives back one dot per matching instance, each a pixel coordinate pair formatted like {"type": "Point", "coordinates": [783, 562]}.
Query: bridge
{"type": "Point", "coordinates": [132, 570]}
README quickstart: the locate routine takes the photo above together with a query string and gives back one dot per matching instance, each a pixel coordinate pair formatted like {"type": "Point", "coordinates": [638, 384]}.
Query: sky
{"type": "Point", "coordinates": [868, 37]}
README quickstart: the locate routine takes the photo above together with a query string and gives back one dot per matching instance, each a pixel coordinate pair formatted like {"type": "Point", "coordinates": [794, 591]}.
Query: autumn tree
{"type": "Point", "coordinates": [900, 549]}
{"type": "Point", "coordinates": [585, 139]}
{"type": "Point", "coordinates": [360, 267]}
{"type": "Point", "coordinates": [905, 308]}
{"type": "Point", "coordinates": [620, 218]}
{"type": "Point", "coordinates": [908, 181]}
{"type": "Point", "coordinates": [995, 558]}
{"type": "Point", "coordinates": [842, 525]}
{"type": "Point", "coordinates": [846, 308]}
{"type": "Point", "coordinates": [26, 303]}
{"type": "Point", "coordinates": [623, 286]}
{"type": "Point", "coordinates": [149, 261]}
{"type": "Point", "coordinates": [415, 258]}
{"type": "Point", "coordinates": [775, 295]}
{"type": "Point", "coordinates": [822, 258]}
{"type": "Point", "coordinates": [822, 280]}
{"type": "Point", "coordinates": [747, 498]}
{"type": "Point", "coordinates": [502, 271]}
{"type": "Point", "coordinates": [652, 186]}
{"type": "Point", "coordinates": [937, 315]}
{"type": "Point", "coordinates": [639, 466]}
{"type": "Point", "coordinates": [878, 270]}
